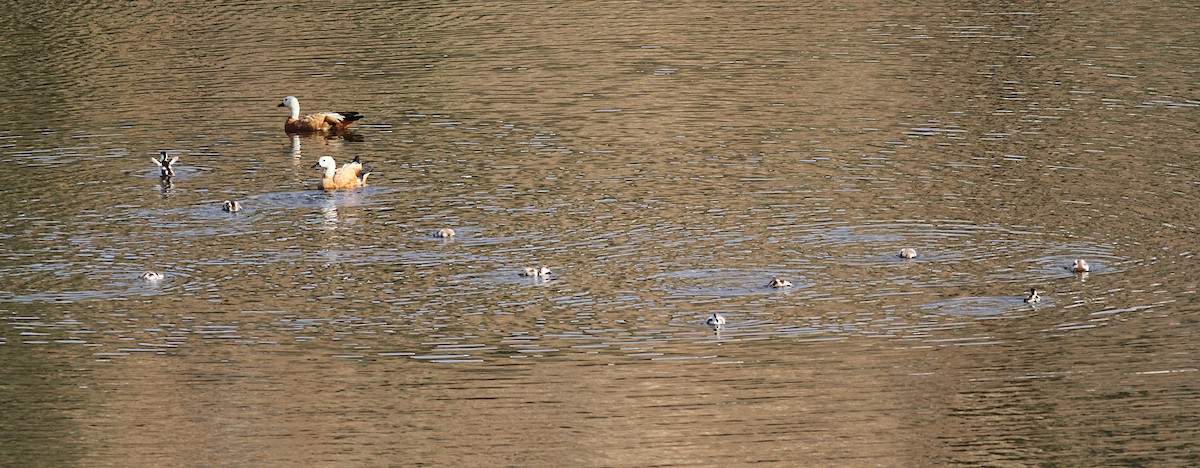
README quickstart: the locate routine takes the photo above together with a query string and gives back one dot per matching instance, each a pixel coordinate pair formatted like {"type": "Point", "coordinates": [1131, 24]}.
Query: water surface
{"type": "Point", "coordinates": [666, 161]}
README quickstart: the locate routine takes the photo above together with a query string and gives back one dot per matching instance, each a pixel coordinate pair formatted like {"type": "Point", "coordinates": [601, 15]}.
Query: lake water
{"type": "Point", "coordinates": [666, 161]}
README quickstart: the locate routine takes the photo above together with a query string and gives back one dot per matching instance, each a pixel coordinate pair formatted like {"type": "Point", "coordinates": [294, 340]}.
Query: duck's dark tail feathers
{"type": "Point", "coordinates": [350, 116]}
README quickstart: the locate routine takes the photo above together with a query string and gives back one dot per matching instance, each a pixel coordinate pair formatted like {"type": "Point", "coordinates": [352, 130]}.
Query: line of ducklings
{"type": "Point", "coordinates": [717, 321]}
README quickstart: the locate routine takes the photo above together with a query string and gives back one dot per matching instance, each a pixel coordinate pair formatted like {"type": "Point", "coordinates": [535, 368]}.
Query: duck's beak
{"type": "Point", "coordinates": [281, 105]}
{"type": "Point", "coordinates": [317, 165]}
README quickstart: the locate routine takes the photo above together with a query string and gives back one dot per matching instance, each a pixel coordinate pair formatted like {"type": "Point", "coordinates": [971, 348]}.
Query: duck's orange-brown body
{"type": "Point", "coordinates": [336, 123]}
{"type": "Point", "coordinates": [325, 123]}
{"type": "Point", "coordinates": [351, 175]}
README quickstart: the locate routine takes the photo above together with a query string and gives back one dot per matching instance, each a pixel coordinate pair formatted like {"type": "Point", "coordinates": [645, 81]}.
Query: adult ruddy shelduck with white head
{"type": "Point", "coordinates": [324, 122]}
{"type": "Point", "coordinates": [350, 176]}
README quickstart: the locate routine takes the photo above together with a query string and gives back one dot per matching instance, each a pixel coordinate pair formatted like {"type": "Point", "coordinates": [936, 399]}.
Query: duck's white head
{"type": "Point", "coordinates": [327, 163]}
{"type": "Point", "coordinates": [292, 104]}
{"type": "Point", "coordinates": [908, 253]}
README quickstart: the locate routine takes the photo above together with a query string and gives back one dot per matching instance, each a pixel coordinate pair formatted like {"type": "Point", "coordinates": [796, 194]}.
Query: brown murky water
{"type": "Point", "coordinates": [666, 161]}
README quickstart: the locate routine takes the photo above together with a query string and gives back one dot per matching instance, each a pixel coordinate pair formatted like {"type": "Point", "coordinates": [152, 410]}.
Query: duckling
{"type": "Point", "coordinates": [444, 233]}
{"type": "Point", "coordinates": [331, 122]}
{"type": "Point", "coordinates": [540, 272]}
{"type": "Point", "coordinates": [908, 253]}
{"type": "Point", "coordinates": [152, 276]}
{"type": "Point", "coordinates": [779, 283]}
{"type": "Point", "coordinates": [715, 320]}
{"type": "Point", "coordinates": [351, 175]}
{"type": "Point", "coordinates": [232, 206]}
{"type": "Point", "coordinates": [1080, 266]}
{"type": "Point", "coordinates": [165, 165]}
{"type": "Point", "coordinates": [1033, 296]}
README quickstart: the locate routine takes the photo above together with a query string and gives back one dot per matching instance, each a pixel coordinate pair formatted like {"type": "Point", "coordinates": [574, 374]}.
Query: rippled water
{"type": "Point", "coordinates": [666, 161]}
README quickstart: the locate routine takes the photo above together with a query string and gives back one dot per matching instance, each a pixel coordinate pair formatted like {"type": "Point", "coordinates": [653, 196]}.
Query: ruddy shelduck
{"type": "Point", "coordinates": [350, 176]}
{"type": "Point", "coordinates": [1080, 266]}
{"type": "Point", "coordinates": [1033, 297]}
{"type": "Point", "coordinates": [165, 164]}
{"type": "Point", "coordinates": [908, 253]}
{"type": "Point", "coordinates": [231, 206]}
{"type": "Point", "coordinates": [324, 122]}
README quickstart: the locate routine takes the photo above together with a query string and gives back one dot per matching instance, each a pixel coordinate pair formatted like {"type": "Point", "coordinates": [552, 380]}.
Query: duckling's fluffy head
{"type": "Point", "coordinates": [231, 206]}
{"type": "Point", "coordinates": [908, 253]}
{"type": "Point", "coordinates": [152, 276]}
{"type": "Point", "coordinates": [1080, 266]}
{"type": "Point", "coordinates": [445, 232]}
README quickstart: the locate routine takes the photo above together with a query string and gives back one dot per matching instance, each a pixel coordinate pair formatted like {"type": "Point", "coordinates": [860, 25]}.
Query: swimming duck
{"type": "Point", "coordinates": [232, 206]}
{"type": "Point", "coordinates": [335, 122]}
{"type": "Point", "coordinates": [779, 283]}
{"type": "Point", "coordinates": [1033, 296]}
{"type": "Point", "coordinates": [152, 276]}
{"type": "Point", "coordinates": [1080, 266]}
{"type": "Point", "coordinates": [908, 253]}
{"type": "Point", "coordinates": [539, 272]}
{"type": "Point", "coordinates": [351, 175]}
{"type": "Point", "coordinates": [445, 232]}
{"type": "Point", "coordinates": [715, 320]}
{"type": "Point", "coordinates": [165, 164]}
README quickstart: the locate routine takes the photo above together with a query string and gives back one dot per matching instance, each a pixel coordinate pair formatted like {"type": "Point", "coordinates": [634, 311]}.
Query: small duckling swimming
{"type": "Point", "coordinates": [152, 276]}
{"type": "Point", "coordinates": [715, 320]}
{"type": "Point", "coordinates": [779, 283]}
{"type": "Point", "coordinates": [540, 272]}
{"type": "Point", "coordinates": [1080, 266]}
{"type": "Point", "coordinates": [908, 253]}
{"type": "Point", "coordinates": [1033, 296]}
{"type": "Point", "coordinates": [231, 206]}
{"type": "Point", "coordinates": [165, 165]}
{"type": "Point", "coordinates": [444, 233]}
